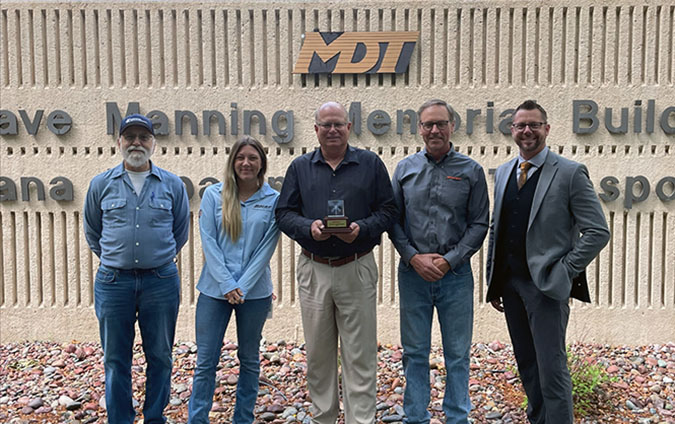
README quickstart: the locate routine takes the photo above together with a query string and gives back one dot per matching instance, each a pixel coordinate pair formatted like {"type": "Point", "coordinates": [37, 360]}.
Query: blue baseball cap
{"type": "Point", "coordinates": [136, 120]}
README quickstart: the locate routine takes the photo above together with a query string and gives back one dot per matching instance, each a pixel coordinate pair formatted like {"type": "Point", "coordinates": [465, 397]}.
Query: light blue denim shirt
{"type": "Point", "coordinates": [244, 264]}
{"type": "Point", "coordinates": [129, 230]}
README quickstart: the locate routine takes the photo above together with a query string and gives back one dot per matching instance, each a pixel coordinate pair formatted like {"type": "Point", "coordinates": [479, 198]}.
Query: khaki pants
{"type": "Point", "coordinates": [340, 301]}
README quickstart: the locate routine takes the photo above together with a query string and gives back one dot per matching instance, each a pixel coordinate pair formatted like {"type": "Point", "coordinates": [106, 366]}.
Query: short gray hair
{"type": "Point", "coordinates": [436, 102]}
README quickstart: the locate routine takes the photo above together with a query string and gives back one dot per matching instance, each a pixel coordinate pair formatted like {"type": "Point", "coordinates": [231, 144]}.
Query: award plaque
{"type": "Point", "coordinates": [336, 221]}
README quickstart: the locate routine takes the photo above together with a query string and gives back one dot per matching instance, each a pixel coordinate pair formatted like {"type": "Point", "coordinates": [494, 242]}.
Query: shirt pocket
{"type": "Point", "coordinates": [114, 212]}
{"type": "Point", "coordinates": [162, 216]}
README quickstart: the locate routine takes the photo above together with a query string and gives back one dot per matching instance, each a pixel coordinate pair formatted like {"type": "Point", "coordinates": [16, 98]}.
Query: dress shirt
{"type": "Point", "coordinates": [444, 207]}
{"type": "Point", "coordinates": [244, 264]}
{"type": "Point", "coordinates": [361, 180]}
{"type": "Point", "coordinates": [537, 162]}
{"type": "Point", "coordinates": [129, 230]}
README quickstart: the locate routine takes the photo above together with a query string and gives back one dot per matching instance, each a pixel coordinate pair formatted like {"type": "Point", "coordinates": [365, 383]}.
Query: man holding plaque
{"type": "Point", "coordinates": [443, 199]}
{"type": "Point", "coordinates": [336, 202]}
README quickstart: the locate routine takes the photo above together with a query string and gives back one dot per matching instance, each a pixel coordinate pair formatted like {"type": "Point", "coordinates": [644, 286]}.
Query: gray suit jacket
{"type": "Point", "coordinates": [566, 229]}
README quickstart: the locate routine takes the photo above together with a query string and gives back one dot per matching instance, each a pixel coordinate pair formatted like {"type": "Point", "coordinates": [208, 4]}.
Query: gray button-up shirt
{"type": "Point", "coordinates": [444, 207]}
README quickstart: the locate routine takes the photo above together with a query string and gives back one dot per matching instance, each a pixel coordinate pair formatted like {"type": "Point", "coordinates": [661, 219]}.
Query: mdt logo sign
{"type": "Point", "coordinates": [355, 52]}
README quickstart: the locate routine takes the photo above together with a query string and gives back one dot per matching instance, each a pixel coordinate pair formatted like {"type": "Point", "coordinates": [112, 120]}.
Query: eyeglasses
{"type": "Point", "coordinates": [429, 125]}
{"type": "Point", "coordinates": [329, 125]}
{"type": "Point", "coordinates": [129, 138]}
{"type": "Point", "coordinates": [520, 126]}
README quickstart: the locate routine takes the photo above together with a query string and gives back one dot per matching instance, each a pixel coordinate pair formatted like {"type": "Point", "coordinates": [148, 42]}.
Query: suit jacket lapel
{"type": "Point", "coordinates": [547, 173]}
{"type": "Point", "coordinates": [500, 189]}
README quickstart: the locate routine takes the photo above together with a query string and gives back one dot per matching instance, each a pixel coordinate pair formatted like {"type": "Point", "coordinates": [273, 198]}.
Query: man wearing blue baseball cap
{"type": "Point", "coordinates": [136, 221]}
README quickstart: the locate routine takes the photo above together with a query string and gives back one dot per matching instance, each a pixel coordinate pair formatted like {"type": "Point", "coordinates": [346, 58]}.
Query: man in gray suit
{"type": "Point", "coordinates": [547, 226]}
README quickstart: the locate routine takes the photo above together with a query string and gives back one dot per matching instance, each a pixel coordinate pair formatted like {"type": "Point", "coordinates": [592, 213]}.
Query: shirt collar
{"type": "Point", "coordinates": [262, 192]}
{"type": "Point", "coordinates": [119, 170]}
{"type": "Point", "coordinates": [538, 160]}
{"type": "Point", "coordinates": [350, 156]}
{"type": "Point", "coordinates": [430, 158]}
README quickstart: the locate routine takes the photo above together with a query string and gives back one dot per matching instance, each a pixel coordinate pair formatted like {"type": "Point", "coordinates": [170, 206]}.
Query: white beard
{"type": "Point", "coordinates": [136, 156]}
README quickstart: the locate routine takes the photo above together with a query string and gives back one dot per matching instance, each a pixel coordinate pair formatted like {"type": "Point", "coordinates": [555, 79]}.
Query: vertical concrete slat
{"type": "Point", "coordinates": [532, 46]}
{"type": "Point", "coordinates": [220, 46]}
{"type": "Point", "coordinates": [504, 71]}
{"type": "Point", "coordinates": [651, 45]}
{"type": "Point", "coordinates": [625, 54]}
{"type": "Point", "coordinates": [597, 51]}
{"type": "Point", "coordinates": [145, 58]}
{"type": "Point", "coordinates": [439, 36]}
{"type": "Point", "coordinates": [9, 259]}
{"type": "Point", "coordinates": [557, 59]}
{"type": "Point", "coordinates": [182, 48]}
{"type": "Point", "coordinates": [520, 41]}
{"type": "Point", "coordinates": [209, 42]}
{"type": "Point", "coordinates": [645, 297]}
{"type": "Point", "coordinates": [131, 48]}
{"type": "Point", "coordinates": [286, 40]}
{"type": "Point", "coordinates": [92, 49]}
{"type": "Point", "coordinates": [247, 55]}
{"type": "Point", "coordinates": [234, 35]}
{"type": "Point", "coordinates": [86, 273]}
{"type": "Point", "coordinates": [156, 49]}
{"type": "Point", "coordinates": [666, 42]}
{"type": "Point", "coordinates": [27, 60]}
{"type": "Point", "coordinates": [639, 48]}
{"type": "Point", "coordinates": [545, 47]}
{"type": "Point", "coordinates": [14, 52]}
{"type": "Point", "coordinates": [118, 60]}
{"type": "Point", "coordinates": [170, 56]}
{"type": "Point", "coordinates": [39, 49]}
{"type": "Point", "coordinates": [260, 49]}
{"type": "Point", "coordinates": [105, 49]}
{"type": "Point", "coordinates": [49, 270]}
{"type": "Point", "coordinates": [570, 64]}
{"type": "Point", "coordinates": [669, 272]}
{"type": "Point", "coordinates": [585, 48]}
{"type": "Point", "coordinates": [491, 47]}
{"type": "Point", "coordinates": [81, 45]}
{"type": "Point", "coordinates": [480, 58]}
{"type": "Point", "coordinates": [22, 260]}
{"type": "Point", "coordinates": [611, 42]}
{"type": "Point", "coordinates": [195, 52]}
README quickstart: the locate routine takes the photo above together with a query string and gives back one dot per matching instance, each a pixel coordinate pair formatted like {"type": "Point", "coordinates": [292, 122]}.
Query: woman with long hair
{"type": "Point", "coordinates": [239, 235]}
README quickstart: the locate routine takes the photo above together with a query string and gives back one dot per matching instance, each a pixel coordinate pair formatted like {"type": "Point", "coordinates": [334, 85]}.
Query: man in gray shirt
{"type": "Point", "coordinates": [443, 199]}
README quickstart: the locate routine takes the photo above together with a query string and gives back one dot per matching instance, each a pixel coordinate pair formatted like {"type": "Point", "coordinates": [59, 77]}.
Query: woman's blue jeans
{"type": "Point", "coordinates": [452, 296]}
{"type": "Point", "coordinates": [212, 317]}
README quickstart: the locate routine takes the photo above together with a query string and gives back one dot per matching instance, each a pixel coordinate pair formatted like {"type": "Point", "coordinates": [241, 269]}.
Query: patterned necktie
{"type": "Point", "coordinates": [524, 167]}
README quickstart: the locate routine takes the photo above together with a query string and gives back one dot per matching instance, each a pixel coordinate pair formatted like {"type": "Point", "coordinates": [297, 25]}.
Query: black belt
{"type": "Point", "coordinates": [334, 261]}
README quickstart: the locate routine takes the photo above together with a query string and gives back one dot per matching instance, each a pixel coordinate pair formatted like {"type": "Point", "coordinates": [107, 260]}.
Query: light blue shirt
{"type": "Point", "coordinates": [537, 161]}
{"type": "Point", "coordinates": [244, 264]}
{"type": "Point", "coordinates": [129, 230]}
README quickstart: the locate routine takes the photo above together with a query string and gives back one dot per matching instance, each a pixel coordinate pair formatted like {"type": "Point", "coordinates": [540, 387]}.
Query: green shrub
{"type": "Point", "coordinates": [587, 381]}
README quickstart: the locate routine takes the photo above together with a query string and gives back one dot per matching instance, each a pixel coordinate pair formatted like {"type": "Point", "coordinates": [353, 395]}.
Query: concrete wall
{"type": "Point", "coordinates": [484, 55]}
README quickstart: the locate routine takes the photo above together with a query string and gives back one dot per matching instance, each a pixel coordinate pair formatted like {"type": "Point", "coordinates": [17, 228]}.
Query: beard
{"type": "Point", "coordinates": [137, 156]}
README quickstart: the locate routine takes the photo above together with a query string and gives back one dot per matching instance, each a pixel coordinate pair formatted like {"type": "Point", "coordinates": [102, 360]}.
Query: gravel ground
{"type": "Point", "coordinates": [63, 383]}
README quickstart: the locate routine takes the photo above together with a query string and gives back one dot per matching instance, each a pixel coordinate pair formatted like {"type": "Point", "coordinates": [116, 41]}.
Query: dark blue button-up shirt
{"type": "Point", "coordinates": [444, 207]}
{"type": "Point", "coordinates": [361, 180]}
{"type": "Point", "coordinates": [129, 230]}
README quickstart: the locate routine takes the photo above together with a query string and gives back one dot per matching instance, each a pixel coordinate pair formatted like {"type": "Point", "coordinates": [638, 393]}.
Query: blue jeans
{"type": "Point", "coordinates": [212, 317]}
{"type": "Point", "coordinates": [453, 298]}
{"type": "Point", "coordinates": [121, 297]}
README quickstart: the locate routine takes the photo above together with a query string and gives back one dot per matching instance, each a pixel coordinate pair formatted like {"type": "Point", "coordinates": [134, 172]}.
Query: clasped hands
{"type": "Point", "coordinates": [430, 266]}
{"type": "Point", "coordinates": [318, 234]}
